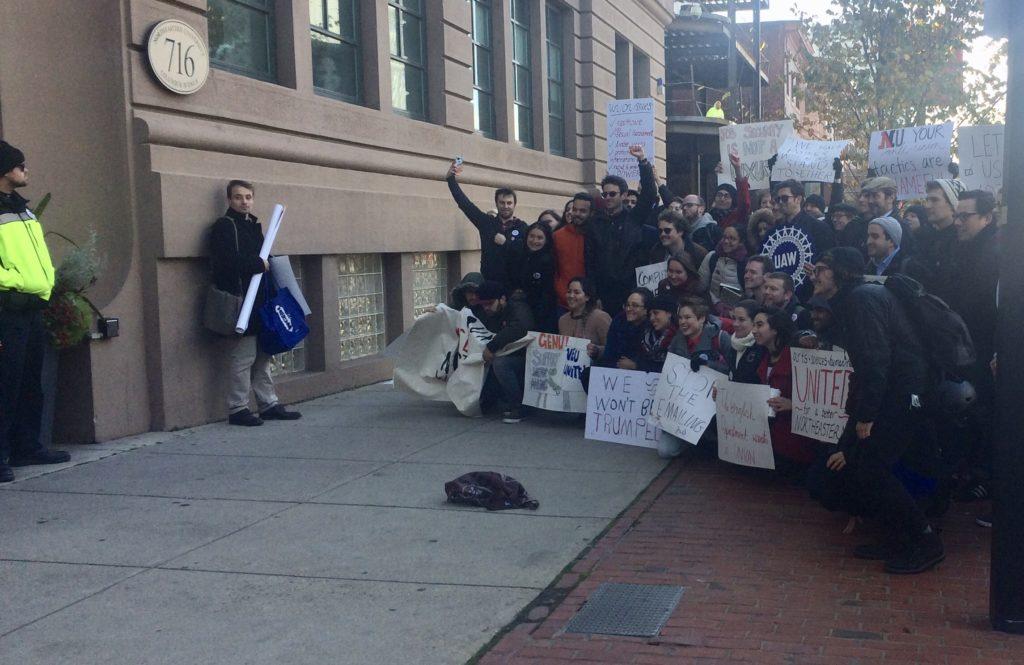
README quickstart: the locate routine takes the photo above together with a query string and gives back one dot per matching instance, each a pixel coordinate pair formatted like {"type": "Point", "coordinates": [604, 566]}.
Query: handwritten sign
{"type": "Point", "coordinates": [807, 161]}
{"type": "Point", "coordinates": [981, 157]}
{"type": "Point", "coordinates": [755, 143]}
{"type": "Point", "coordinates": [912, 156]}
{"type": "Point", "coordinates": [629, 122]}
{"type": "Point", "coordinates": [743, 434]}
{"type": "Point", "coordinates": [821, 382]}
{"type": "Point", "coordinates": [682, 404]}
{"type": "Point", "coordinates": [554, 365]}
{"type": "Point", "coordinates": [620, 407]}
{"type": "Point", "coordinates": [650, 275]}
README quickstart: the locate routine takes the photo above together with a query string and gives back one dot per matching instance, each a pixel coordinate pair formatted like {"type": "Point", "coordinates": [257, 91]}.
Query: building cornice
{"type": "Point", "coordinates": [657, 9]}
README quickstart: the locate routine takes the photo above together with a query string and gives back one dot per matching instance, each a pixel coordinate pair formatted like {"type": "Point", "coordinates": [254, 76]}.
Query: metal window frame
{"type": "Point", "coordinates": [358, 99]}
{"type": "Point", "coordinates": [267, 8]}
{"type": "Point", "coordinates": [400, 9]}
{"type": "Point", "coordinates": [490, 49]}
{"type": "Point", "coordinates": [520, 105]}
{"type": "Point", "coordinates": [555, 39]}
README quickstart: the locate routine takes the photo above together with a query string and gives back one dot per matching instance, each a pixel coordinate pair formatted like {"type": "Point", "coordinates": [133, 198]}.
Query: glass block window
{"type": "Point", "coordinates": [408, 37]}
{"type": "Point", "coordinates": [293, 361]}
{"type": "Point", "coordinates": [483, 68]}
{"type": "Point", "coordinates": [360, 305]}
{"type": "Point", "coordinates": [334, 28]}
{"type": "Point", "coordinates": [241, 34]}
{"type": "Point", "coordinates": [556, 83]}
{"type": "Point", "coordinates": [429, 281]}
{"type": "Point", "coordinates": [521, 84]}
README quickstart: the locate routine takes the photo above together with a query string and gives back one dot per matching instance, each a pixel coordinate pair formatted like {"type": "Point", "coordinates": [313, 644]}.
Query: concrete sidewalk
{"type": "Point", "coordinates": [327, 540]}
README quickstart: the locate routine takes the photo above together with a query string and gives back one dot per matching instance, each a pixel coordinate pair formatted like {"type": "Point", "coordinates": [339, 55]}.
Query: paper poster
{"type": "Point", "coordinates": [743, 434]}
{"type": "Point", "coordinates": [554, 365]}
{"type": "Point", "coordinates": [650, 275]}
{"type": "Point", "coordinates": [629, 122]}
{"type": "Point", "coordinates": [980, 149]}
{"type": "Point", "coordinates": [755, 143]}
{"type": "Point", "coordinates": [620, 407]}
{"type": "Point", "coordinates": [821, 382]}
{"type": "Point", "coordinates": [912, 156]}
{"type": "Point", "coordinates": [682, 403]}
{"type": "Point", "coordinates": [807, 161]}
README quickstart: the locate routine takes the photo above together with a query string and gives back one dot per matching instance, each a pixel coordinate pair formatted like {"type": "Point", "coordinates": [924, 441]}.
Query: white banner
{"type": "Point", "coordinates": [650, 275]}
{"type": "Point", "coordinates": [629, 122]}
{"type": "Point", "coordinates": [743, 434]}
{"type": "Point", "coordinates": [554, 365]}
{"type": "Point", "coordinates": [821, 382]}
{"type": "Point", "coordinates": [807, 161]}
{"type": "Point", "coordinates": [620, 407]}
{"type": "Point", "coordinates": [912, 156]}
{"type": "Point", "coordinates": [981, 155]}
{"type": "Point", "coordinates": [682, 403]}
{"type": "Point", "coordinates": [755, 143]}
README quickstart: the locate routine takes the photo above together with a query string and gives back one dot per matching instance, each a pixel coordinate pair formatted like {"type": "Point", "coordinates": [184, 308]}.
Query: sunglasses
{"type": "Point", "coordinates": [609, 195]}
{"type": "Point", "coordinates": [665, 232]}
{"type": "Point", "coordinates": [783, 198]}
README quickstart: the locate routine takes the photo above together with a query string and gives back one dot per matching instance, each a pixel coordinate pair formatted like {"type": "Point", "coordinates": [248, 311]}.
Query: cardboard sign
{"type": "Point", "coordinates": [755, 143]}
{"type": "Point", "coordinates": [912, 156]}
{"type": "Point", "coordinates": [683, 405]}
{"type": "Point", "coordinates": [629, 122]}
{"type": "Point", "coordinates": [807, 161]}
{"type": "Point", "coordinates": [620, 407]}
{"type": "Point", "coordinates": [743, 434]}
{"type": "Point", "coordinates": [821, 383]}
{"type": "Point", "coordinates": [554, 365]}
{"type": "Point", "coordinates": [981, 157]}
{"type": "Point", "coordinates": [789, 248]}
{"type": "Point", "coordinates": [651, 275]}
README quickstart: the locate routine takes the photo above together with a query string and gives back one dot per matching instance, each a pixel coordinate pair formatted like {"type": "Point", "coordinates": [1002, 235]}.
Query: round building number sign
{"type": "Point", "coordinates": [178, 56]}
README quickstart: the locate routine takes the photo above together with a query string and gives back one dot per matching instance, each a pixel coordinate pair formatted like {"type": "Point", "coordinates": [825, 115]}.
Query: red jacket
{"type": "Point", "coordinates": [793, 447]}
{"type": "Point", "coordinates": [741, 213]}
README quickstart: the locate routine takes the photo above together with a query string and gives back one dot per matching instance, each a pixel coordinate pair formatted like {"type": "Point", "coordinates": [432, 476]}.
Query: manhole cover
{"type": "Point", "coordinates": [626, 609]}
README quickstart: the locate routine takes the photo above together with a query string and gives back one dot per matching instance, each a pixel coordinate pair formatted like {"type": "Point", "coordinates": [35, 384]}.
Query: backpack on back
{"type": "Point", "coordinates": [945, 336]}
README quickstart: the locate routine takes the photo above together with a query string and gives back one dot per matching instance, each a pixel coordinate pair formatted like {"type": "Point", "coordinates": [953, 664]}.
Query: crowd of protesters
{"type": "Point", "coordinates": [917, 435]}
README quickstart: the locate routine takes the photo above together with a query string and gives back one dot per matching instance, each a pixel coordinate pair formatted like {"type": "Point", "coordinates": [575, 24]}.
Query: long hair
{"type": "Point", "coordinates": [589, 290]}
{"type": "Point", "coordinates": [782, 324]}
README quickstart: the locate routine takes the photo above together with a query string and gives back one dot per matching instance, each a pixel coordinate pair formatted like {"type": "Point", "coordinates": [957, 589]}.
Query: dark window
{"type": "Point", "coordinates": [408, 57]}
{"type": "Point", "coordinates": [483, 68]}
{"type": "Point", "coordinates": [556, 82]}
{"type": "Point", "coordinates": [522, 87]}
{"type": "Point", "coordinates": [622, 87]}
{"type": "Point", "coordinates": [241, 34]}
{"type": "Point", "coordinates": [641, 74]}
{"type": "Point", "coordinates": [334, 28]}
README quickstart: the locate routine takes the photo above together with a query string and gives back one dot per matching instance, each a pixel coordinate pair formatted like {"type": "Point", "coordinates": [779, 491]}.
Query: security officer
{"type": "Point", "coordinates": [26, 279]}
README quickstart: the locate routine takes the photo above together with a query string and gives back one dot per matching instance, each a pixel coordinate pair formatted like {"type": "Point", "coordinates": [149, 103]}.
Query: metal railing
{"type": "Point", "coordinates": [689, 98]}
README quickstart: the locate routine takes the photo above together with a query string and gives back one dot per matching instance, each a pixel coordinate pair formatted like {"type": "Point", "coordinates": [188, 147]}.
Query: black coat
{"type": "Point", "coordinates": [234, 265]}
{"type": "Point", "coordinates": [493, 258]}
{"type": "Point", "coordinates": [510, 324]}
{"type": "Point", "coordinates": [534, 274]}
{"type": "Point", "coordinates": [972, 291]}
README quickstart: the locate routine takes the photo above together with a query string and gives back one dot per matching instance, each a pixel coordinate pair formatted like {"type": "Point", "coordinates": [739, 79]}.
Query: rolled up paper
{"type": "Point", "coordinates": [254, 283]}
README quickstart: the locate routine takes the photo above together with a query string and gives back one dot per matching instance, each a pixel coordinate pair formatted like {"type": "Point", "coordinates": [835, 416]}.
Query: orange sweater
{"type": "Point", "coordinates": [569, 260]}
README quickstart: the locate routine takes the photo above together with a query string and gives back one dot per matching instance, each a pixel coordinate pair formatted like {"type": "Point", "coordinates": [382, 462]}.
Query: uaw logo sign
{"type": "Point", "coordinates": [286, 320]}
{"type": "Point", "coordinates": [790, 249]}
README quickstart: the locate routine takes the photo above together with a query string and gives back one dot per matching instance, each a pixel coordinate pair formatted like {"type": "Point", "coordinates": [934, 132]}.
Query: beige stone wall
{"type": "Point", "coordinates": [147, 169]}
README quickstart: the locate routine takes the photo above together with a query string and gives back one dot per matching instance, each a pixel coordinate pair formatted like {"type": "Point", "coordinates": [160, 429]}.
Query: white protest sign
{"type": "Point", "coordinates": [620, 407]}
{"type": "Point", "coordinates": [911, 156]}
{"type": "Point", "coordinates": [682, 404]}
{"type": "Point", "coordinates": [807, 161]}
{"type": "Point", "coordinates": [554, 365]}
{"type": "Point", "coordinates": [650, 275]}
{"type": "Point", "coordinates": [743, 434]}
{"type": "Point", "coordinates": [629, 122]}
{"type": "Point", "coordinates": [980, 149]}
{"type": "Point", "coordinates": [821, 382]}
{"type": "Point", "coordinates": [755, 143]}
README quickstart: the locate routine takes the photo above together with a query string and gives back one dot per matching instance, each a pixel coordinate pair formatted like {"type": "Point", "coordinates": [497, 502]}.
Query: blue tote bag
{"type": "Point", "coordinates": [284, 324]}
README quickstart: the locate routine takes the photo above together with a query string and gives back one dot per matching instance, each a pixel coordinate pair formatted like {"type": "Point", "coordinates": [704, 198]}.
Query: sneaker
{"type": "Point", "coordinates": [245, 418]}
{"type": "Point", "coordinates": [985, 521]}
{"type": "Point", "coordinates": [512, 416]}
{"type": "Point", "coordinates": [6, 473]}
{"type": "Point", "coordinates": [880, 551]}
{"type": "Point", "coordinates": [923, 555]}
{"type": "Point", "coordinates": [278, 412]}
{"type": "Point", "coordinates": [40, 456]}
{"type": "Point", "coordinates": [976, 490]}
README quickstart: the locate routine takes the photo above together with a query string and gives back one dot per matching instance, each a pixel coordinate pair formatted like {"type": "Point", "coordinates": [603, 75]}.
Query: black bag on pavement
{"type": "Point", "coordinates": [489, 490]}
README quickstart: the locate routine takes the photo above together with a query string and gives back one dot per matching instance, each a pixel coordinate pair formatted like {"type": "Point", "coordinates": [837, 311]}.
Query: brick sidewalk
{"type": "Point", "coordinates": [769, 579]}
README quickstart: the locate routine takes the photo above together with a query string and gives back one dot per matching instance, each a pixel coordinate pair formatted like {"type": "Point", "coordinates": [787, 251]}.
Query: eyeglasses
{"type": "Point", "coordinates": [691, 205]}
{"type": "Point", "coordinates": [784, 198]}
{"type": "Point", "coordinates": [820, 269]}
{"type": "Point", "coordinates": [723, 195]}
{"type": "Point", "coordinates": [608, 195]}
{"type": "Point", "coordinates": [20, 167]}
{"type": "Point", "coordinates": [666, 231]}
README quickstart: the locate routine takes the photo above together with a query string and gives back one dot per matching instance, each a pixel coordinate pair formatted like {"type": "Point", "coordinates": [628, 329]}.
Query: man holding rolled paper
{"type": "Point", "coordinates": [235, 243]}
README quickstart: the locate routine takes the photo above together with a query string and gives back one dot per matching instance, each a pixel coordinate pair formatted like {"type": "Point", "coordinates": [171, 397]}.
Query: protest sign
{"type": "Point", "coordinates": [743, 434]}
{"type": "Point", "coordinates": [554, 365]}
{"type": "Point", "coordinates": [789, 249]}
{"type": "Point", "coordinates": [650, 275]}
{"type": "Point", "coordinates": [755, 143]}
{"type": "Point", "coordinates": [682, 403]}
{"type": "Point", "coordinates": [620, 407]}
{"type": "Point", "coordinates": [807, 161]}
{"type": "Point", "coordinates": [629, 122]}
{"type": "Point", "coordinates": [911, 156]}
{"type": "Point", "coordinates": [821, 381]}
{"type": "Point", "coordinates": [981, 155]}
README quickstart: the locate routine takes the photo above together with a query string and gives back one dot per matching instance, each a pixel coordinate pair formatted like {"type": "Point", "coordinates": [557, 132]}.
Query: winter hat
{"type": "Point", "coordinates": [472, 279]}
{"type": "Point", "coordinates": [951, 188]}
{"type": "Point", "coordinates": [730, 189]}
{"type": "Point", "coordinates": [877, 183]}
{"type": "Point", "coordinates": [845, 261]}
{"type": "Point", "coordinates": [666, 302]}
{"type": "Point", "coordinates": [891, 227]}
{"type": "Point", "coordinates": [9, 157]}
{"type": "Point", "coordinates": [490, 290]}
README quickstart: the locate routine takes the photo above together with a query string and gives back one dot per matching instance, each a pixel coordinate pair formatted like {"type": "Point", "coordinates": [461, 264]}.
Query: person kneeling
{"type": "Point", "coordinates": [509, 319]}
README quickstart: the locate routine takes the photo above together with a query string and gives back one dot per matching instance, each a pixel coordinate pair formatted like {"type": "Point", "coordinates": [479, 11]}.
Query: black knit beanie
{"type": "Point", "coordinates": [9, 157]}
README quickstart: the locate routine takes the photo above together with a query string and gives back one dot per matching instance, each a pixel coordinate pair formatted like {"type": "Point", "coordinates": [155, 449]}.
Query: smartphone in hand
{"type": "Point", "coordinates": [458, 160]}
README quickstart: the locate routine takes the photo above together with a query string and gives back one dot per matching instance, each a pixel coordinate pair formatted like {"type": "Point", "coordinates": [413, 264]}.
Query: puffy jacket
{"type": "Point", "coordinates": [709, 344]}
{"type": "Point", "coordinates": [25, 264]}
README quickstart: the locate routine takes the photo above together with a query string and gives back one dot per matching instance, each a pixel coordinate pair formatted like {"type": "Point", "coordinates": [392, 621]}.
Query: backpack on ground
{"type": "Point", "coordinates": [489, 490]}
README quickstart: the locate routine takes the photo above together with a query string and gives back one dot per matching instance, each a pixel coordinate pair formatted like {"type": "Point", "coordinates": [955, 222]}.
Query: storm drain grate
{"type": "Point", "coordinates": [626, 609]}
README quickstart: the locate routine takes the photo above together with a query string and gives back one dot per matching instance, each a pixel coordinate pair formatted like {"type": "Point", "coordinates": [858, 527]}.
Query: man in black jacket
{"type": "Point", "coordinates": [509, 318]}
{"type": "Point", "coordinates": [789, 200]}
{"type": "Point", "coordinates": [235, 243]}
{"type": "Point", "coordinates": [886, 424]}
{"type": "Point", "coordinates": [498, 235]}
{"type": "Point", "coordinates": [941, 201]}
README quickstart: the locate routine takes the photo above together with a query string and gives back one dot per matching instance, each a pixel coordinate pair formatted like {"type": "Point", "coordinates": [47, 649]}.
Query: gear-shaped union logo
{"type": "Point", "coordinates": [790, 248]}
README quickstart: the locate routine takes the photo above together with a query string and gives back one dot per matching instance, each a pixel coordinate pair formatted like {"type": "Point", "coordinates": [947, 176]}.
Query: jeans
{"type": "Point", "coordinates": [508, 372]}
